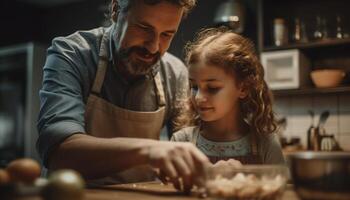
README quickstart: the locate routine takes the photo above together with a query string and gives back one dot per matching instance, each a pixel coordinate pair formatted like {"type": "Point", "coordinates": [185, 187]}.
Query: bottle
{"type": "Point", "coordinates": [339, 34]}
{"type": "Point", "coordinates": [321, 31]}
{"type": "Point", "coordinates": [299, 35]}
{"type": "Point", "coordinates": [280, 32]}
{"type": "Point", "coordinates": [303, 37]}
{"type": "Point", "coordinates": [325, 28]}
{"type": "Point", "coordinates": [297, 30]}
{"type": "Point", "coordinates": [318, 32]}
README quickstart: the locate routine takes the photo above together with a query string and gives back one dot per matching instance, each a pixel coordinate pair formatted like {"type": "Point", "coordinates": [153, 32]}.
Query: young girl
{"type": "Point", "coordinates": [231, 104]}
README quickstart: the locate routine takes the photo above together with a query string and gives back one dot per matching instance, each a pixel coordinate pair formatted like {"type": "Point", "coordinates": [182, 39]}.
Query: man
{"type": "Point", "coordinates": [107, 93]}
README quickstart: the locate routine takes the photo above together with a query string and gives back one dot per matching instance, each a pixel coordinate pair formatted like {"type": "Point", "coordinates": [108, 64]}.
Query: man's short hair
{"type": "Point", "coordinates": [124, 5]}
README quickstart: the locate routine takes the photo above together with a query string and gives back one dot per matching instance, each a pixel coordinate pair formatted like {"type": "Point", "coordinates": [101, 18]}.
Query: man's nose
{"type": "Point", "coordinates": [152, 44]}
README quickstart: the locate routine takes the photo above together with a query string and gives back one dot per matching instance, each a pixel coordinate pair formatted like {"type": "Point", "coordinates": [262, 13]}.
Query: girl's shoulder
{"type": "Point", "coordinates": [268, 138]}
{"type": "Point", "coordinates": [270, 149]}
{"type": "Point", "coordinates": [185, 134]}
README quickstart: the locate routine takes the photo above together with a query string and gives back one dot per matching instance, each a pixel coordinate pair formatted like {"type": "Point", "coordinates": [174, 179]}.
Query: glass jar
{"type": "Point", "coordinates": [280, 32]}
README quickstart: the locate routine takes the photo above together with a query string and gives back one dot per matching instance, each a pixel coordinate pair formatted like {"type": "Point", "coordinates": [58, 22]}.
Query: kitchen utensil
{"type": "Point", "coordinates": [317, 132]}
{"type": "Point", "coordinates": [323, 118]}
{"type": "Point", "coordinates": [311, 130]}
{"type": "Point", "coordinates": [326, 78]}
{"type": "Point", "coordinates": [321, 175]}
{"type": "Point", "coordinates": [315, 139]}
{"type": "Point", "coordinates": [327, 143]}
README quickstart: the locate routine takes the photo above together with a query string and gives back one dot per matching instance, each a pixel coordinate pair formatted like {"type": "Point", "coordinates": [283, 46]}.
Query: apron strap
{"type": "Point", "coordinates": [160, 90]}
{"type": "Point", "coordinates": [102, 66]}
{"type": "Point", "coordinates": [254, 145]}
{"type": "Point", "coordinates": [195, 136]}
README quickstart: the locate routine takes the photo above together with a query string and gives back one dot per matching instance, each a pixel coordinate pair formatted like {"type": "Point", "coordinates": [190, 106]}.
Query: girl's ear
{"type": "Point", "coordinates": [243, 91]}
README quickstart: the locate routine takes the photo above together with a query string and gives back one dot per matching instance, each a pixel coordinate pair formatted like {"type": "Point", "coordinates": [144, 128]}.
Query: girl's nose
{"type": "Point", "coordinates": [200, 97]}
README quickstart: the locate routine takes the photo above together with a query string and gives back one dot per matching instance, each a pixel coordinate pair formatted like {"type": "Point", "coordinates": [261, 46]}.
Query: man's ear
{"type": "Point", "coordinates": [114, 10]}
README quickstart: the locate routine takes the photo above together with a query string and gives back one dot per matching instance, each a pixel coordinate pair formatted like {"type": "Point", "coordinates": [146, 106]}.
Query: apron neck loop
{"type": "Point", "coordinates": [102, 66]}
{"type": "Point", "coordinates": [195, 136]}
{"type": "Point", "coordinates": [159, 90]}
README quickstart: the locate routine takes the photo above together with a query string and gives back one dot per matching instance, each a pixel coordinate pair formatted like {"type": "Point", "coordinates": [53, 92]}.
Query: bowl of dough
{"type": "Point", "coordinates": [255, 182]}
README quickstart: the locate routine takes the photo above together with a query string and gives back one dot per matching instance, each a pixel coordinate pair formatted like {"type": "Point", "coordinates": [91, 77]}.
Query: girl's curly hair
{"type": "Point", "coordinates": [236, 55]}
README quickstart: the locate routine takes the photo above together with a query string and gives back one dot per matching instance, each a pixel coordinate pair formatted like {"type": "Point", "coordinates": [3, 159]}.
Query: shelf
{"type": "Point", "coordinates": [311, 91]}
{"type": "Point", "coordinates": [310, 45]}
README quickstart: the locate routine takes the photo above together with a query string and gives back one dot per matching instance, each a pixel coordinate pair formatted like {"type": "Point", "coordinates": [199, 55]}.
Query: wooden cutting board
{"type": "Point", "coordinates": [138, 191]}
{"type": "Point", "coordinates": [153, 191]}
{"type": "Point", "coordinates": [146, 191]}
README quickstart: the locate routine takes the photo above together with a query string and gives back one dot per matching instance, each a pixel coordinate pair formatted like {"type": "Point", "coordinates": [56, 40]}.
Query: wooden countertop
{"type": "Point", "coordinates": [147, 191]}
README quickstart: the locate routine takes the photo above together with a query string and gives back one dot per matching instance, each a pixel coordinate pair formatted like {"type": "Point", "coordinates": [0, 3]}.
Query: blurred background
{"type": "Point", "coordinates": [294, 38]}
{"type": "Point", "coordinates": [42, 20]}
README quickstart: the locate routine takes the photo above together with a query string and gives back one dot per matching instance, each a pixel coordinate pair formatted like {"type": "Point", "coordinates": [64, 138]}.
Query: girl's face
{"type": "Point", "coordinates": [215, 93]}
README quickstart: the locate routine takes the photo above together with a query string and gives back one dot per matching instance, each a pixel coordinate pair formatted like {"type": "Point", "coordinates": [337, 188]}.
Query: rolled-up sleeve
{"type": "Point", "coordinates": [62, 105]}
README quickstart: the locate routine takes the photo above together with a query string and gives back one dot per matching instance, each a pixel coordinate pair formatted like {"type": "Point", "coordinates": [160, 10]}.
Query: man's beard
{"type": "Point", "coordinates": [135, 66]}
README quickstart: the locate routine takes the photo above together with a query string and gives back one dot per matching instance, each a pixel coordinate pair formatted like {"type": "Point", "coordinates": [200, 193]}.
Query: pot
{"type": "Point", "coordinates": [321, 175]}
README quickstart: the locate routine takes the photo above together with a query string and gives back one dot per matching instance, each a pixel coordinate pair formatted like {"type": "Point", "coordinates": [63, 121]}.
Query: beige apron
{"type": "Point", "coordinates": [103, 119]}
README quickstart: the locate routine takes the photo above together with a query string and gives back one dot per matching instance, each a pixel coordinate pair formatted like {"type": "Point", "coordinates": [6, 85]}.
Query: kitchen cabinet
{"type": "Point", "coordinates": [20, 80]}
{"type": "Point", "coordinates": [330, 17]}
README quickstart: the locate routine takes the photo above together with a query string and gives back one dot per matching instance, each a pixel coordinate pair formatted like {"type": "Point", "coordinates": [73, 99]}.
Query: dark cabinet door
{"type": "Point", "coordinates": [11, 122]}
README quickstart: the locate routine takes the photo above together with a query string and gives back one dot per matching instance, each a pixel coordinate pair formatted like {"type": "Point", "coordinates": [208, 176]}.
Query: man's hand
{"type": "Point", "coordinates": [178, 162]}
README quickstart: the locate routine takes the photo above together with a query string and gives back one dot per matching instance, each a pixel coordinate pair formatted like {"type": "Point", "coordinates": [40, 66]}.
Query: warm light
{"type": "Point", "coordinates": [231, 13]}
